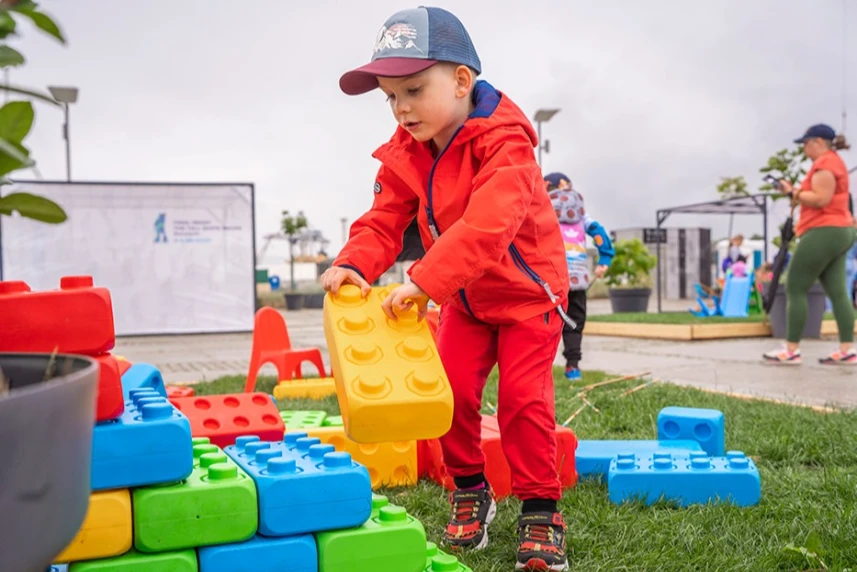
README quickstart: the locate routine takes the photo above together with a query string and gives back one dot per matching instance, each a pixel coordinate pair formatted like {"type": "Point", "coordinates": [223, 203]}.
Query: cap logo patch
{"type": "Point", "coordinates": [397, 37]}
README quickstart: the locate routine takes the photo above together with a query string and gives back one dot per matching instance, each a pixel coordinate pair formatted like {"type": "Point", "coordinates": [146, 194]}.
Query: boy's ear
{"type": "Point", "coordinates": [463, 81]}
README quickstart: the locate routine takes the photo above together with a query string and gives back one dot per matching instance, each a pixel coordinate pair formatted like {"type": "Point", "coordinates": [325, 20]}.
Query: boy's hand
{"type": "Point", "coordinates": [402, 298]}
{"type": "Point", "coordinates": [600, 270]}
{"type": "Point", "coordinates": [336, 276]}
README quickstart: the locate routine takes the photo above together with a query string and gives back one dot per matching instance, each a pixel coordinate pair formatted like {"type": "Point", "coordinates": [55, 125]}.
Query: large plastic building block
{"type": "Point", "coordinates": [309, 388]}
{"type": "Point", "coordinates": [143, 376]}
{"type": "Point", "coordinates": [110, 401]}
{"type": "Point", "coordinates": [133, 561]}
{"type": "Point", "coordinates": [592, 458]}
{"type": "Point", "coordinates": [106, 530]}
{"type": "Point", "coordinates": [497, 470]}
{"type": "Point", "coordinates": [216, 504]}
{"type": "Point", "coordinates": [686, 480]}
{"type": "Point", "coordinates": [58, 568]}
{"type": "Point", "coordinates": [389, 464]}
{"type": "Point", "coordinates": [439, 561]}
{"type": "Point", "coordinates": [302, 419]}
{"type": "Point", "coordinates": [705, 426]}
{"type": "Point", "coordinates": [223, 418]}
{"type": "Point", "coordinates": [76, 319]}
{"type": "Point", "coordinates": [391, 540]}
{"type": "Point", "coordinates": [124, 364]}
{"type": "Point", "coordinates": [271, 344]}
{"type": "Point", "coordinates": [174, 391]}
{"type": "Point", "coordinates": [303, 486]}
{"type": "Point", "coordinates": [389, 378]}
{"type": "Point", "coordinates": [262, 554]}
{"type": "Point", "coordinates": [333, 421]}
{"type": "Point", "coordinates": [149, 444]}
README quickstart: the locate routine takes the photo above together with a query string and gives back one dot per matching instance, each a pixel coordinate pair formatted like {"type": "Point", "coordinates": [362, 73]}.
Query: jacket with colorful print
{"type": "Point", "coordinates": [493, 248]}
{"type": "Point", "coordinates": [575, 224]}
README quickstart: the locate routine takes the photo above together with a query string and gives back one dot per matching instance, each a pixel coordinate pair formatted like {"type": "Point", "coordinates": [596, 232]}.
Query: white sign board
{"type": "Point", "coordinates": [176, 258]}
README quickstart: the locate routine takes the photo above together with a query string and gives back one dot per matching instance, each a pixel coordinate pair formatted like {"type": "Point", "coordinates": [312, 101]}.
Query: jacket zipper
{"type": "Point", "coordinates": [433, 228]}
{"type": "Point", "coordinates": [523, 267]}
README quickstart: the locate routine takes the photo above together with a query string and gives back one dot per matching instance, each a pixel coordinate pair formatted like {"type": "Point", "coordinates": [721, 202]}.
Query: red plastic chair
{"type": "Point", "coordinates": [271, 344]}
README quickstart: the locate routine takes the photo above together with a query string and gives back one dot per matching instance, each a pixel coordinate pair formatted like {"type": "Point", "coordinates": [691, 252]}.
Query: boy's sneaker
{"type": "Point", "coordinates": [572, 374]}
{"type": "Point", "coordinates": [840, 358]}
{"type": "Point", "coordinates": [542, 536]}
{"type": "Point", "coordinates": [472, 512]}
{"type": "Point", "coordinates": [783, 356]}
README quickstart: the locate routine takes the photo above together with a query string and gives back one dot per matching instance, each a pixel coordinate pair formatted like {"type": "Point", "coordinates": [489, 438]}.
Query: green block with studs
{"type": "Point", "coordinates": [333, 421]}
{"type": "Point", "coordinates": [390, 541]}
{"type": "Point", "coordinates": [216, 504]}
{"type": "Point", "coordinates": [303, 419]}
{"type": "Point", "coordinates": [439, 561]}
{"type": "Point", "coordinates": [133, 561]}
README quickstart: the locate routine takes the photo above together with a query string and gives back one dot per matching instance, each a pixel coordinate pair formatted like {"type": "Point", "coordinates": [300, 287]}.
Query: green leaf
{"type": "Point", "coordinates": [16, 120]}
{"type": "Point", "coordinates": [10, 57]}
{"type": "Point", "coordinates": [41, 20]}
{"type": "Point", "coordinates": [7, 25]}
{"type": "Point", "coordinates": [33, 206]}
{"type": "Point", "coordinates": [13, 156]}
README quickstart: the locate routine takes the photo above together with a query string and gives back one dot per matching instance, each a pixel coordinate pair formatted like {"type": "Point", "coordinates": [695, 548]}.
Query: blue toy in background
{"type": "Point", "coordinates": [685, 480]}
{"type": "Point", "coordinates": [733, 303]}
{"type": "Point", "coordinates": [705, 426]}
{"type": "Point", "coordinates": [274, 282]}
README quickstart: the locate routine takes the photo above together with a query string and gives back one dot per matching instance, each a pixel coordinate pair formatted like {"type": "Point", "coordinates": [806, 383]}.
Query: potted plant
{"type": "Point", "coordinates": [291, 226]}
{"type": "Point", "coordinates": [628, 277]}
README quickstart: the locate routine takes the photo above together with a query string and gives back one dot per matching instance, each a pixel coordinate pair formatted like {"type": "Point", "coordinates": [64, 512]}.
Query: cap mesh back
{"type": "Point", "coordinates": [449, 40]}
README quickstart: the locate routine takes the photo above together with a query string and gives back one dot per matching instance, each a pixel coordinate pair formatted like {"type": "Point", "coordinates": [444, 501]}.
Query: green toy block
{"type": "Point", "coordinates": [390, 541]}
{"type": "Point", "coordinates": [439, 561]}
{"type": "Point", "coordinates": [216, 504]}
{"type": "Point", "coordinates": [333, 421]}
{"type": "Point", "coordinates": [133, 561]}
{"type": "Point", "coordinates": [303, 419]}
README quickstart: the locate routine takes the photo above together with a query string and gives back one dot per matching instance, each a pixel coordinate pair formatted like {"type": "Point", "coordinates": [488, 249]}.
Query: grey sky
{"type": "Point", "coordinates": [659, 98]}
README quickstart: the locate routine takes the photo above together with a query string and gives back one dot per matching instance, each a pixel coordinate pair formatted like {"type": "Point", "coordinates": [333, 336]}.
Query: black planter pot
{"type": "Point", "coordinates": [812, 328]}
{"type": "Point", "coordinates": [294, 301]}
{"type": "Point", "coordinates": [315, 301]}
{"type": "Point", "coordinates": [625, 300]}
{"type": "Point", "coordinates": [46, 447]}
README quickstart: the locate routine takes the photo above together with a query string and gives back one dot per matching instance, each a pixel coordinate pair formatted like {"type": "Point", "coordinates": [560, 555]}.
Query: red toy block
{"type": "Point", "coordinates": [223, 418]}
{"type": "Point", "coordinates": [179, 391]}
{"type": "Point", "coordinates": [124, 365]}
{"type": "Point", "coordinates": [430, 459]}
{"type": "Point", "coordinates": [110, 402]}
{"type": "Point", "coordinates": [271, 344]}
{"type": "Point", "coordinates": [76, 319]}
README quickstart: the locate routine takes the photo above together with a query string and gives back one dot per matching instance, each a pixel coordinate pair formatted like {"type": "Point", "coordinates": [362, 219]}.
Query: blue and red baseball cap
{"type": "Point", "coordinates": [555, 179]}
{"type": "Point", "coordinates": [411, 41]}
{"type": "Point", "coordinates": [819, 131]}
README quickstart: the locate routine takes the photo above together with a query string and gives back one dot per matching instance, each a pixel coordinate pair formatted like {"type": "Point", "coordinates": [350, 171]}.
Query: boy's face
{"type": "Point", "coordinates": [430, 105]}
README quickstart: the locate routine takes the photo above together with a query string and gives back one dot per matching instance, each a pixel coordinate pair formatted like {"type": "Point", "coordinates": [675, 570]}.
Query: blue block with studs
{"type": "Point", "coordinates": [262, 554]}
{"type": "Point", "coordinates": [705, 426]}
{"type": "Point", "coordinates": [143, 376]}
{"type": "Point", "coordinates": [303, 486]}
{"type": "Point", "coordinates": [684, 479]}
{"type": "Point", "coordinates": [592, 457]}
{"type": "Point", "coordinates": [150, 443]}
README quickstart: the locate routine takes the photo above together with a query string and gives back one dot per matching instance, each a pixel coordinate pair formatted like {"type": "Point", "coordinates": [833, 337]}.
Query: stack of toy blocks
{"type": "Point", "coordinates": [685, 475]}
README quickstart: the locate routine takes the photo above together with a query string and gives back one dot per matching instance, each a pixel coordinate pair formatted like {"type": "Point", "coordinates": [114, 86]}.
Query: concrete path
{"type": "Point", "coordinates": [728, 365]}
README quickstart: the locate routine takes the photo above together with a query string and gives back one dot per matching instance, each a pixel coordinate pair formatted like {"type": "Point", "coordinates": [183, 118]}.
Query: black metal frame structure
{"type": "Point", "coordinates": [748, 204]}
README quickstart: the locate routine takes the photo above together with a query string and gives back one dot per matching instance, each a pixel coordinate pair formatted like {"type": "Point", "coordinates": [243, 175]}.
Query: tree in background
{"type": "Point", "coordinates": [16, 117]}
{"type": "Point", "coordinates": [291, 226]}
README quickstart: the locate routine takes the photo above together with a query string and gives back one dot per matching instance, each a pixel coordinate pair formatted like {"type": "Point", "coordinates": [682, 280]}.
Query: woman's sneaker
{"type": "Point", "coordinates": [542, 537]}
{"type": "Point", "coordinates": [784, 356]}
{"type": "Point", "coordinates": [472, 510]}
{"type": "Point", "coordinates": [840, 358]}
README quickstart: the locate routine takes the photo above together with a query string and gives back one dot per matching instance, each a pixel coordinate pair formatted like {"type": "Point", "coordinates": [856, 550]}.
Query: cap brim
{"type": "Point", "coordinates": [365, 78]}
{"type": "Point", "coordinates": [803, 139]}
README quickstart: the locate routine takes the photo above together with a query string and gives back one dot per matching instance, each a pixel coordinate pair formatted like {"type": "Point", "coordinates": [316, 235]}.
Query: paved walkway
{"type": "Point", "coordinates": [727, 365]}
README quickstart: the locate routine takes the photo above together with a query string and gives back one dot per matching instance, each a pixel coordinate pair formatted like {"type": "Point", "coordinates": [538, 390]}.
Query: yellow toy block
{"type": "Point", "coordinates": [389, 464]}
{"type": "Point", "coordinates": [311, 388]}
{"type": "Point", "coordinates": [106, 529]}
{"type": "Point", "coordinates": [389, 378]}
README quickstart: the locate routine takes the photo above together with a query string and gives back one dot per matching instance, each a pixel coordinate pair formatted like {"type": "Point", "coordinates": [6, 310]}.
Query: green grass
{"type": "Point", "coordinates": [680, 318]}
{"type": "Point", "coordinates": [807, 461]}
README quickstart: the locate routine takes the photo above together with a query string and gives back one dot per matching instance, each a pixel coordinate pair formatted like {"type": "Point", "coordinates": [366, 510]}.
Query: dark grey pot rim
{"type": "Point", "coordinates": [82, 367]}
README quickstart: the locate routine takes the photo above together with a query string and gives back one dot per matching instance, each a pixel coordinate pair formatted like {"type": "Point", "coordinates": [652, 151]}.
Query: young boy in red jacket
{"type": "Point", "coordinates": [462, 161]}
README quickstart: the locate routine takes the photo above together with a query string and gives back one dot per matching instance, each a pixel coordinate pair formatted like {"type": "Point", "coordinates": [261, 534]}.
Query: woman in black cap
{"type": "Point", "coordinates": [827, 233]}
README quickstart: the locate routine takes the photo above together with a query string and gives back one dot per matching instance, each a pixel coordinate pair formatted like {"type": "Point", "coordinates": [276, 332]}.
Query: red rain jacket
{"type": "Point", "coordinates": [493, 243]}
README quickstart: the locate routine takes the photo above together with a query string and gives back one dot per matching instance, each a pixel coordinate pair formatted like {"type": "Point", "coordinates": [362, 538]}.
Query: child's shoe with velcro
{"type": "Point", "coordinates": [542, 538]}
{"type": "Point", "coordinates": [472, 510]}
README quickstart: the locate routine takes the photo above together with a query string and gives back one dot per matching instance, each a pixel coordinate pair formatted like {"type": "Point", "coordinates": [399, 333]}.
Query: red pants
{"type": "Point", "coordinates": [525, 352]}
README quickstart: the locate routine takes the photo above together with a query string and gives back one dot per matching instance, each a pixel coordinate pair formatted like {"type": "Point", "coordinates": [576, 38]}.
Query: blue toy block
{"type": "Point", "coordinates": [58, 568]}
{"type": "Point", "coordinates": [705, 426]}
{"type": "Point", "coordinates": [592, 458]}
{"type": "Point", "coordinates": [261, 554]}
{"type": "Point", "coordinates": [143, 376]}
{"type": "Point", "coordinates": [149, 444]}
{"type": "Point", "coordinates": [303, 486]}
{"type": "Point", "coordinates": [686, 480]}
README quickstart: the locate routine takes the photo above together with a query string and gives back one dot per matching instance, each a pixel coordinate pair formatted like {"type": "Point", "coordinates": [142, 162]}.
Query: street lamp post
{"type": "Point", "coordinates": [65, 96]}
{"type": "Point", "coordinates": [543, 116]}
